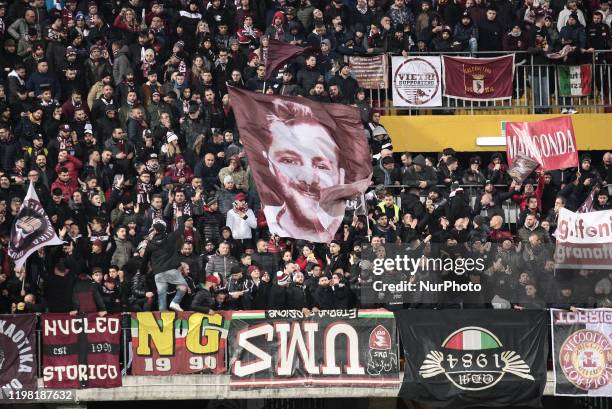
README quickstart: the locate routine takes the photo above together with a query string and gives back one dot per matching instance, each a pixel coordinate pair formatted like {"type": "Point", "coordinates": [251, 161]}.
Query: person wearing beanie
{"type": "Point", "coordinates": [570, 8]}
{"type": "Point", "coordinates": [279, 291]}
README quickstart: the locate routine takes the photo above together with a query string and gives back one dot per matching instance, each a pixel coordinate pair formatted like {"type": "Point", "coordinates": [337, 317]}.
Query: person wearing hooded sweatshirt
{"type": "Point", "coordinates": [443, 41]}
{"type": "Point", "coordinates": [466, 33]}
{"type": "Point", "coordinates": [162, 252]}
{"type": "Point", "coordinates": [277, 29]}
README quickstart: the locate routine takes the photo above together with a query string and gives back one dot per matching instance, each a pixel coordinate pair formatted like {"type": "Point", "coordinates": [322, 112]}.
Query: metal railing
{"type": "Point", "coordinates": [535, 90]}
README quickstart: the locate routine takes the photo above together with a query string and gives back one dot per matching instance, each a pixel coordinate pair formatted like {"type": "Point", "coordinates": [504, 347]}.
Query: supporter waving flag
{"type": "Point", "coordinates": [32, 230]}
{"type": "Point", "coordinates": [279, 53]}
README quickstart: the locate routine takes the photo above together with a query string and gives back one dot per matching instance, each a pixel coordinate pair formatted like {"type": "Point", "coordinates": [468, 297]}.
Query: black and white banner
{"type": "Point", "coordinates": [275, 349]}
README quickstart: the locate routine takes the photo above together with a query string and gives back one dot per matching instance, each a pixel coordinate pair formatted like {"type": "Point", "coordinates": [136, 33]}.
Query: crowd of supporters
{"type": "Point", "coordinates": [118, 113]}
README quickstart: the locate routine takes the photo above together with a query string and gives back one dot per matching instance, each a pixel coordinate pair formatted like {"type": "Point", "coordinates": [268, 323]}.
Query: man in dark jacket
{"type": "Point", "coordinates": [490, 32]}
{"type": "Point", "coordinates": [162, 251]}
{"type": "Point", "coordinates": [204, 299]}
{"type": "Point", "coordinates": [265, 260]}
{"type": "Point", "coordinates": [324, 295]}
{"type": "Point", "coordinates": [420, 175]}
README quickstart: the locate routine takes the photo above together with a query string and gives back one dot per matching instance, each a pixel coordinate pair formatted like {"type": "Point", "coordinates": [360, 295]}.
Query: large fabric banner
{"type": "Point", "coordinates": [168, 343]}
{"type": "Point", "coordinates": [31, 230]}
{"type": "Point", "coordinates": [478, 79]}
{"type": "Point", "coordinates": [371, 72]}
{"type": "Point", "coordinates": [341, 348]}
{"type": "Point", "coordinates": [307, 159]}
{"type": "Point", "coordinates": [457, 358]}
{"type": "Point", "coordinates": [550, 142]}
{"type": "Point", "coordinates": [584, 240]}
{"type": "Point", "coordinates": [582, 352]}
{"type": "Point", "coordinates": [81, 351]}
{"type": "Point", "coordinates": [17, 355]}
{"type": "Point", "coordinates": [279, 53]}
{"type": "Point", "coordinates": [417, 81]}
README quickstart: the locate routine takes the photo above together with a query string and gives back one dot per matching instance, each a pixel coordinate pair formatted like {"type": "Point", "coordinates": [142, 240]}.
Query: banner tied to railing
{"type": "Point", "coordinates": [417, 81]}
{"type": "Point", "coordinates": [330, 348]}
{"type": "Point", "coordinates": [582, 352]}
{"type": "Point", "coordinates": [17, 355]}
{"type": "Point", "coordinates": [81, 351]}
{"type": "Point", "coordinates": [370, 72]}
{"type": "Point", "coordinates": [169, 343]}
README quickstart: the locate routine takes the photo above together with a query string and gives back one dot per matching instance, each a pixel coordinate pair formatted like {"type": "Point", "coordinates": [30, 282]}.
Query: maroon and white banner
{"type": "Point", "coordinates": [478, 79]}
{"type": "Point", "coordinates": [307, 159]}
{"type": "Point", "coordinates": [81, 351]}
{"type": "Point", "coordinates": [584, 240]}
{"type": "Point", "coordinates": [550, 142]}
{"type": "Point", "coordinates": [32, 230]}
{"type": "Point", "coordinates": [582, 351]}
{"type": "Point", "coordinates": [370, 72]}
{"type": "Point", "coordinates": [17, 355]}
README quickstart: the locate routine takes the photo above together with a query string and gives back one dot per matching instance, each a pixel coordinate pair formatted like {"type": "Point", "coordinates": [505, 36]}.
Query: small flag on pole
{"type": "Point", "coordinates": [31, 231]}
{"type": "Point", "coordinates": [588, 204]}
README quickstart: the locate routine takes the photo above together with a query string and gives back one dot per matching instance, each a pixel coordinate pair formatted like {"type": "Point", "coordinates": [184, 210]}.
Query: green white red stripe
{"type": "Point", "coordinates": [471, 338]}
{"type": "Point", "coordinates": [575, 80]}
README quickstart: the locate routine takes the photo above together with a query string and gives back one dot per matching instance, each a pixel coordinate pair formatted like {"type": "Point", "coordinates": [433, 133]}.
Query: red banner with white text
{"type": "Point", "coordinates": [81, 351]}
{"type": "Point", "coordinates": [550, 142]}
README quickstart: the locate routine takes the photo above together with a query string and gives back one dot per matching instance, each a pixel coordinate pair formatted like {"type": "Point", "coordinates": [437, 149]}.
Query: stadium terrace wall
{"type": "Point", "coordinates": [433, 133]}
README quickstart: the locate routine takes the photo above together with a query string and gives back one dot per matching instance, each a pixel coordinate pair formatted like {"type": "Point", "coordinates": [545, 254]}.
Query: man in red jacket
{"type": "Point", "coordinates": [67, 184]}
{"type": "Point", "coordinates": [69, 162]}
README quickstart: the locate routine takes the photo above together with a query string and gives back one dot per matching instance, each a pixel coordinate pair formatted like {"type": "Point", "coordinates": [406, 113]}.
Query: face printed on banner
{"type": "Point", "coordinates": [305, 160]}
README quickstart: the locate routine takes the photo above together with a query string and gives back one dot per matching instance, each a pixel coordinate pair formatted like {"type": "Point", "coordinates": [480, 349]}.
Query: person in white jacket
{"type": "Point", "coordinates": [570, 7]}
{"type": "Point", "coordinates": [241, 219]}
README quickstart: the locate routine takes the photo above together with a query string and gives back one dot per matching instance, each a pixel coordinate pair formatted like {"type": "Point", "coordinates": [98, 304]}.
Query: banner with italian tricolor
{"type": "Point", "coordinates": [575, 80]}
{"type": "Point", "coordinates": [275, 349]}
{"type": "Point", "coordinates": [461, 358]}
